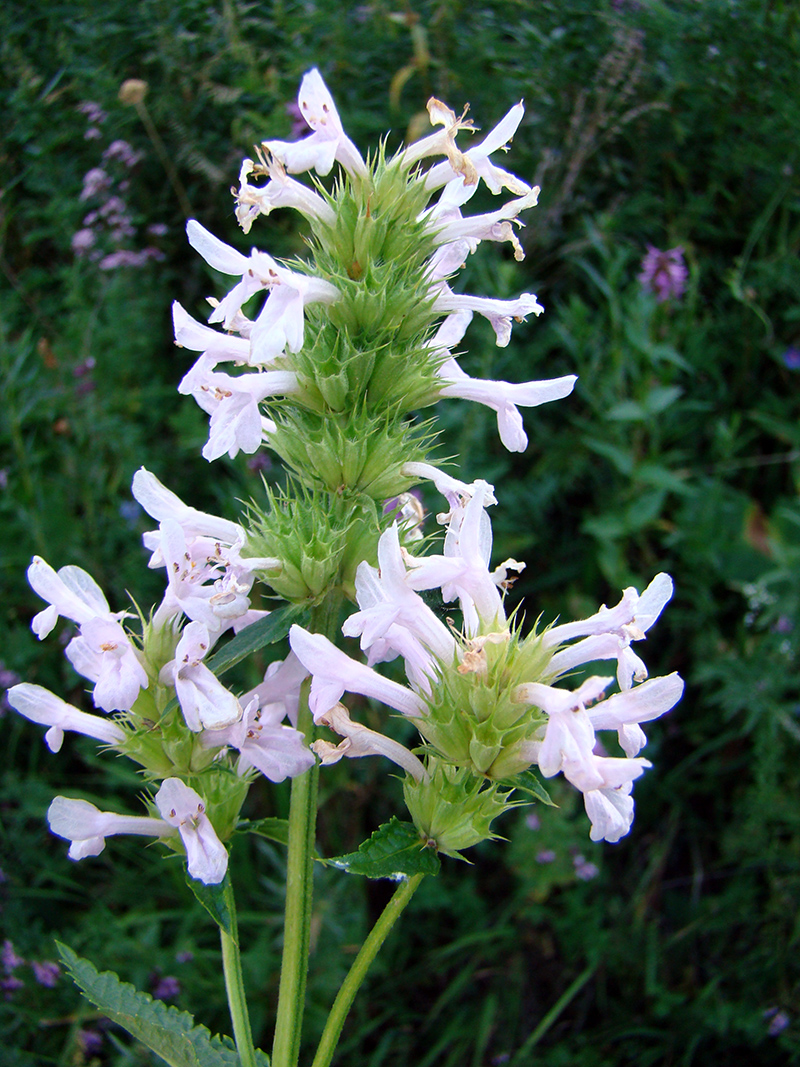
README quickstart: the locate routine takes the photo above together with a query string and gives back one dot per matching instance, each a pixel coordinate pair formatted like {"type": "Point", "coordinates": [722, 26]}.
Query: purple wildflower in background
{"type": "Point", "coordinates": [778, 1021]}
{"type": "Point", "coordinates": [82, 241]}
{"type": "Point", "coordinates": [7, 679]}
{"type": "Point", "coordinates": [9, 957]}
{"type": "Point", "coordinates": [299, 125]}
{"type": "Point", "coordinates": [122, 151]}
{"type": "Point", "coordinates": [95, 116]}
{"type": "Point", "coordinates": [93, 112]}
{"type": "Point", "coordinates": [584, 870]}
{"type": "Point", "coordinates": [94, 182]}
{"type": "Point", "coordinates": [108, 226]}
{"type": "Point", "coordinates": [664, 273]}
{"type": "Point", "coordinates": [791, 358]}
{"type": "Point", "coordinates": [166, 988]}
{"type": "Point", "coordinates": [130, 511]}
{"type": "Point", "coordinates": [90, 1042]}
{"type": "Point", "coordinates": [46, 972]}
{"type": "Point", "coordinates": [259, 462]}
{"type": "Point", "coordinates": [127, 258]}
{"type": "Point", "coordinates": [10, 985]}
{"type": "Point", "coordinates": [81, 370]}
{"type": "Point", "coordinates": [545, 856]}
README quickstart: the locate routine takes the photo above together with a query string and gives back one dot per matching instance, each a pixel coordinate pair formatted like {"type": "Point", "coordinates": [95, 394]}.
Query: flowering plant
{"type": "Point", "coordinates": [327, 373]}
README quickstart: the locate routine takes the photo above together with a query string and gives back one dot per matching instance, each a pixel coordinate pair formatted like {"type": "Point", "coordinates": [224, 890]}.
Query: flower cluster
{"type": "Point", "coordinates": [108, 228]}
{"type": "Point", "coordinates": [45, 972]}
{"type": "Point", "coordinates": [377, 232]}
{"type": "Point", "coordinates": [485, 701]}
{"type": "Point", "coordinates": [326, 362]}
{"type": "Point", "coordinates": [163, 705]}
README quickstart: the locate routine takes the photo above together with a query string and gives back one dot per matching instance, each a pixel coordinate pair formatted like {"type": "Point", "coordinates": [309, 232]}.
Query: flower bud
{"type": "Point", "coordinates": [473, 718]}
{"type": "Point", "coordinates": [452, 809]}
{"type": "Point", "coordinates": [133, 91]}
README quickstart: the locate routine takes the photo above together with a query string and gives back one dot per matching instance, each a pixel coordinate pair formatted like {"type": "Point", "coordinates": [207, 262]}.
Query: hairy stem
{"type": "Point", "coordinates": [358, 971]}
{"type": "Point", "coordinates": [297, 915]}
{"type": "Point", "coordinates": [299, 876]}
{"type": "Point", "coordinates": [234, 985]}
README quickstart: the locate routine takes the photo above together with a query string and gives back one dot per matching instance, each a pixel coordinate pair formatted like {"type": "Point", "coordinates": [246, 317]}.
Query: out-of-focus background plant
{"type": "Point", "coordinates": [664, 248]}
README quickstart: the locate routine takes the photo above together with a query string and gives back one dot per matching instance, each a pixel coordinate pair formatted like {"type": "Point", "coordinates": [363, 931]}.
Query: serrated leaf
{"type": "Point", "coordinates": [213, 899]}
{"type": "Point", "coordinates": [528, 782]}
{"type": "Point", "coordinates": [266, 631]}
{"type": "Point", "coordinates": [170, 1033]}
{"type": "Point", "coordinates": [393, 851]}
{"type": "Point", "coordinates": [272, 829]}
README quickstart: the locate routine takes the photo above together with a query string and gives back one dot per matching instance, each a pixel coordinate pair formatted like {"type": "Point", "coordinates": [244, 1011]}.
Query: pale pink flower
{"type": "Point", "coordinates": [624, 711]}
{"type": "Point", "coordinates": [279, 191]}
{"type": "Point", "coordinates": [208, 578]}
{"type": "Point", "coordinates": [87, 828]}
{"type": "Point", "coordinates": [498, 312]}
{"type": "Point", "coordinates": [394, 619]}
{"type": "Point", "coordinates": [463, 571]}
{"type": "Point", "coordinates": [610, 812]}
{"type": "Point", "coordinates": [205, 702]}
{"type": "Point", "coordinates": [41, 706]}
{"type": "Point", "coordinates": [280, 690]}
{"type": "Point", "coordinates": [569, 735]}
{"type": "Point", "coordinates": [327, 144]}
{"type": "Point", "coordinates": [162, 504]}
{"type": "Point", "coordinates": [280, 324]}
{"type": "Point", "coordinates": [102, 651]}
{"type": "Point", "coordinates": [334, 673]}
{"type": "Point", "coordinates": [233, 404]}
{"type": "Point", "coordinates": [503, 397]}
{"type": "Point", "coordinates": [610, 631]}
{"type": "Point", "coordinates": [263, 741]}
{"type": "Point", "coordinates": [361, 741]}
{"type": "Point", "coordinates": [476, 162]}
{"type": "Point", "coordinates": [185, 809]}
{"type": "Point", "coordinates": [450, 227]}
{"type": "Point", "coordinates": [216, 347]}
{"type": "Point", "coordinates": [456, 492]}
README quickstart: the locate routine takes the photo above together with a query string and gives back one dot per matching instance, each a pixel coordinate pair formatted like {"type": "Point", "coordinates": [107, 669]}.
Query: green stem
{"type": "Point", "coordinates": [358, 971]}
{"type": "Point", "coordinates": [234, 985]}
{"type": "Point", "coordinates": [297, 916]}
{"type": "Point", "coordinates": [299, 875]}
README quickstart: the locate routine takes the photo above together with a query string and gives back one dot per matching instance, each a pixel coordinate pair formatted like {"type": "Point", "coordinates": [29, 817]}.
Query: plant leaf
{"type": "Point", "coordinates": [170, 1033]}
{"type": "Point", "coordinates": [212, 897]}
{"type": "Point", "coordinates": [266, 631]}
{"type": "Point", "coordinates": [528, 782]}
{"type": "Point", "coordinates": [272, 829]}
{"type": "Point", "coordinates": [393, 851]}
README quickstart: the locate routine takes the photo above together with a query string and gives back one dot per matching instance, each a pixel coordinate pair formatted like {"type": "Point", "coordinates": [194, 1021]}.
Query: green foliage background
{"type": "Point", "coordinates": [667, 123]}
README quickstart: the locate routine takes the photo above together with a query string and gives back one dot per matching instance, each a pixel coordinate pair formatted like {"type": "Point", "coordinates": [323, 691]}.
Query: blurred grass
{"type": "Point", "coordinates": [665, 123]}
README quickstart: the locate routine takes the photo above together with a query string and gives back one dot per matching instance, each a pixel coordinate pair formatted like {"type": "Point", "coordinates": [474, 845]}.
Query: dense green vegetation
{"type": "Point", "coordinates": [667, 124]}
